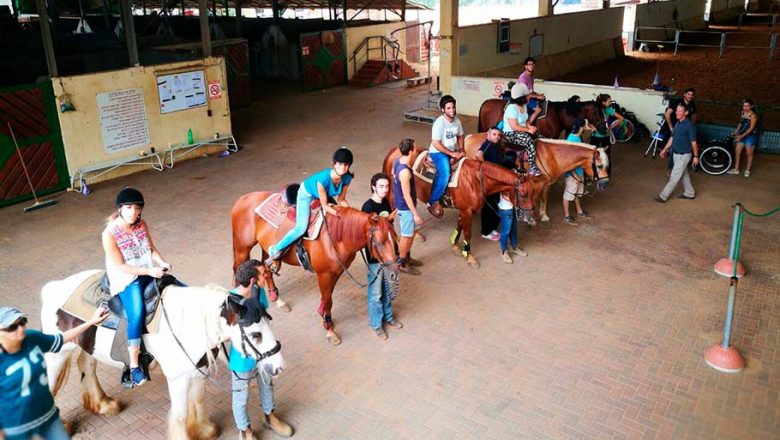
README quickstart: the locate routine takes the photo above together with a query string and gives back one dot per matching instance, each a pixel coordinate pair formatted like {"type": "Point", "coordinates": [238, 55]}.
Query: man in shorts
{"type": "Point", "coordinates": [405, 203]}
{"type": "Point", "coordinates": [527, 79]}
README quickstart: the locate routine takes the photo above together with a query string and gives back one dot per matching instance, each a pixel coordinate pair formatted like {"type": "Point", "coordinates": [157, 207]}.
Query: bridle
{"type": "Point", "coordinates": [259, 356]}
{"type": "Point", "coordinates": [516, 194]}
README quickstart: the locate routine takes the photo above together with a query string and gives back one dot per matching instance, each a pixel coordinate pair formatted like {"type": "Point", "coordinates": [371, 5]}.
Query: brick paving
{"type": "Point", "coordinates": [598, 334]}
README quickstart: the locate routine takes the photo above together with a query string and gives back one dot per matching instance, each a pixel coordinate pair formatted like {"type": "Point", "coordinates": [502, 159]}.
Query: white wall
{"type": "Point", "coordinates": [471, 92]}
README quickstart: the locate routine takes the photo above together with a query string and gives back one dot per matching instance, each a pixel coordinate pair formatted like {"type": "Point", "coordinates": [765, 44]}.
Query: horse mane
{"type": "Point", "coordinates": [493, 171]}
{"type": "Point", "coordinates": [349, 226]}
{"type": "Point", "coordinates": [565, 142]}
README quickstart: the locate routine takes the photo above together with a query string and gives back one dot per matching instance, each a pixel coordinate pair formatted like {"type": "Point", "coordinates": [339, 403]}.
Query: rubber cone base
{"type": "Point", "coordinates": [725, 267]}
{"type": "Point", "coordinates": [725, 360]}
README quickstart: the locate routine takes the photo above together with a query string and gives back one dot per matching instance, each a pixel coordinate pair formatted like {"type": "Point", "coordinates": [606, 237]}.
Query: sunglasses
{"type": "Point", "coordinates": [13, 327]}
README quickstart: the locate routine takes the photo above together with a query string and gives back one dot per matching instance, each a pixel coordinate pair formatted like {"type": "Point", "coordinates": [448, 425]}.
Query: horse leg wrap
{"type": "Point", "coordinates": [454, 236]}
{"type": "Point", "coordinates": [321, 310]}
{"type": "Point", "coordinates": [465, 249]}
{"type": "Point", "coordinates": [327, 322]}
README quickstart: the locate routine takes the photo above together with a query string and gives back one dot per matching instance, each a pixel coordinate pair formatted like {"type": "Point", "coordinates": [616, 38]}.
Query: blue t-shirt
{"type": "Point", "coordinates": [575, 138]}
{"type": "Point", "coordinates": [323, 177]}
{"type": "Point", "coordinates": [513, 112]}
{"type": "Point", "coordinates": [237, 361]}
{"type": "Point", "coordinates": [683, 134]}
{"type": "Point", "coordinates": [27, 405]}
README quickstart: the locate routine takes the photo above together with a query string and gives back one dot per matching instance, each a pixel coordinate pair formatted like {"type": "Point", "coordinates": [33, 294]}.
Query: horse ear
{"type": "Point", "coordinates": [374, 218]}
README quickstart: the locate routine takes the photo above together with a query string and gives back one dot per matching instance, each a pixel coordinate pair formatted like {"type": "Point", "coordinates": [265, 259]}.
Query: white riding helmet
{"type": "Point", "coordinates": [519, 90]}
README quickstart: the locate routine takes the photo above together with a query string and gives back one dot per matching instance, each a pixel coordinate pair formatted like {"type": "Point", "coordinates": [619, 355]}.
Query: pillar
{"type": "Point", "coordinates": [129, 27]}
{"type": "Point", "coordinates": [205, 33]}
{"type": "Point", "coordinates": [545, 8]}
{"type": "Point", "coordinates": [48, 43]}
{"type": "Point", "coordinates": [448, 43]}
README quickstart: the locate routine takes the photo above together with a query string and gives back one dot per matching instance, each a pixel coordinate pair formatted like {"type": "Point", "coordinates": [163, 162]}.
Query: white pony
{"type": "Point", "coordinates": [200, 317]}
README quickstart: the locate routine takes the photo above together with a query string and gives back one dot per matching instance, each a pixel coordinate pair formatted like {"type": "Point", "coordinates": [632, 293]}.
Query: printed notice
{"type": "Point", "coordinates": [181, 91]}
{"type": "Point", "coordinates": [123, 122]}
{"type": "Point", "coordinates": [470, 85]}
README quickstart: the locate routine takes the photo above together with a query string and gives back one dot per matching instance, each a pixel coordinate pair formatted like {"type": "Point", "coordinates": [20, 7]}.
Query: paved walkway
{"type": "Point", "coordinates": [599, 333]}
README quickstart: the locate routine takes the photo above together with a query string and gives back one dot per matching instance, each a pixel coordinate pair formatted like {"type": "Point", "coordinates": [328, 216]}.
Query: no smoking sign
{"type": "Point", "coordinates": [215, 90]}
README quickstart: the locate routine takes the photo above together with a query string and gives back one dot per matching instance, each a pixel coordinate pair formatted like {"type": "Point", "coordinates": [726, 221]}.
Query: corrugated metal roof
{"type": "Point", "coordinates": [288, 4]}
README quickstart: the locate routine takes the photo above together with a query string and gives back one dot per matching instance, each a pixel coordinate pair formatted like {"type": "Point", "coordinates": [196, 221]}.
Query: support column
{"type": "Point", "coordinates": [403, 11]}
{"type": "Point", "coordinates": [128, 25]}
{"type": "Point", "coordinates": [545, 8]}
{"type": "Point", "coordinates": [205, 33]}
{"type": "Point", "coordinates": [238, 17]}
{"type": "Point", "coordinates": [448, 43]}
{"type": "Point", "coordinates": [275, 10]}
{"type": "Point", "coordinates": [48, 44]}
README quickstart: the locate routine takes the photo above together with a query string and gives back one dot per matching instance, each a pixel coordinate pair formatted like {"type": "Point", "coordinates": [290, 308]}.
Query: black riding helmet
{"type": "Point", "coordinates": [129, 196]}
{"type": "Point", "coordinates": [445, 100]}
{"type": "Point", "coordinates": [343, 155]}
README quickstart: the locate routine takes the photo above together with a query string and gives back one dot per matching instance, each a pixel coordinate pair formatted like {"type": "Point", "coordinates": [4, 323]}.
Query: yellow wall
{"type": "Point", "coordinates": [81, 132]}
{"type": "Point", "coordinates": [690, 14]}
{"type": "Point", "coordinates": [471, 92]}
{"type": "Point", "coordinates": [355, 36]}
{"type": "Point", "coordinates": [477, 44]}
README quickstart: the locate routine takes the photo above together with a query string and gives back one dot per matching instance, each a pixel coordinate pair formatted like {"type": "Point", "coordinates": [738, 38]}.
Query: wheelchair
{"type": "Point", "coordinates": [717, 155]}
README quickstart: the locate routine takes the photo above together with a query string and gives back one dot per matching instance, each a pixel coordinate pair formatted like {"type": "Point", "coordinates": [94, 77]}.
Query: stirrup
{"type": "Point", "coordinates": [273, 264]}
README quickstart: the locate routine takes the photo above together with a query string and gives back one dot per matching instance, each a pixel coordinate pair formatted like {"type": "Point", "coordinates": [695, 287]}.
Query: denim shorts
{"type": "Point", "coordinates": [750, 141]}
{"type": "Point", "coordinates": [406, 222]}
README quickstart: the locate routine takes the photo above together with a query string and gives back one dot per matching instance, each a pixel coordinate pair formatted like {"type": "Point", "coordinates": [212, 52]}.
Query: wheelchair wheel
{"type": "Point", "coordinates": [715, 160]}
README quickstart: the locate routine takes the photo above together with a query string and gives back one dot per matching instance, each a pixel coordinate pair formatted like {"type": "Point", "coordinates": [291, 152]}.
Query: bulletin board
{"type": "Point", "coordinates": [181, 91]}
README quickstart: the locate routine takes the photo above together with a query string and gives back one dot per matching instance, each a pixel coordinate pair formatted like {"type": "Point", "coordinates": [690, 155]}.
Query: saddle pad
{"type": "Point", "coordinates": [77, 306]}
{"type": "Point", "coordinates": [420, 168]}
{"type": "Point", "coordinates": [274, 211]}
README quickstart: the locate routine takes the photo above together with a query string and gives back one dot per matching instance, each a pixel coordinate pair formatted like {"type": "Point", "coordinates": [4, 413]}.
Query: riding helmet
{"type": "Point", "coordinates": [343, 155]}
{"type": "Point", "coordinates": [446, 99]}
{"type": "Point", "coordinates": [129, 196]}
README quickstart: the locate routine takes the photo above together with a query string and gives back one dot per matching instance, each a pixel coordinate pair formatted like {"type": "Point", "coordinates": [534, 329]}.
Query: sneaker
{"type": "Point", "coordinates": [519, 252]}
{"type": "Point", "coordinates": [395, 323]}
{"type": "Point", "coordinates": [747, 173]}
{"type": "Point", "coordinates": [683, 196]}
{"type": "Point", "coordinates": [535, 171]}
{"type": "Point", "coordinates": [409, 270]}
{"type": "Point", "coordinates": [570, 220]}
{"type": "Point", "coordinates": [733, 172]}
{"type": "Point", "coordinates": [413, 262]}
{"type": "Point", "coordinates": [584, 214]}
{"type": "Point", "coordinates": [659, 199]}
{"type": "Point", "coordinates": [137, 376]}
{"type": "Point", "coordinates": [493, 236]}
{"type": "Point", "coordinates": [507, 258]}
{"type": "Point", "coordinates": [379, 332]}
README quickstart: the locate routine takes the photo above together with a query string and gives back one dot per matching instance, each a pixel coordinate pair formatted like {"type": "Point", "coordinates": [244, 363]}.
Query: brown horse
{"type": "Point", "coordinates": [477, 180]}
{"type": "Point", "coordinates": [554, 158]}
{"type": "Point", "coordinates": [341, 238]}
{"type": "Point", "coordinates": [560, 116]}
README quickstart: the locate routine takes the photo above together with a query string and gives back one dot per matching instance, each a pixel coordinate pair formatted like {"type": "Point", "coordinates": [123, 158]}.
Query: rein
{"type": "Point", "coordinates": [482, 191]}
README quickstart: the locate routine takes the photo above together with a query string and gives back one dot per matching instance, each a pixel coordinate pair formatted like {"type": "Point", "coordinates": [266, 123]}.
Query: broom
{"type": "Point", "coordinates": [38, 204]}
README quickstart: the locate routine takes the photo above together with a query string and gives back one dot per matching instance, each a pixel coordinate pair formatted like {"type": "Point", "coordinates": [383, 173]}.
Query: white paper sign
{"type": "Point", "coordinates": [181, 91]}
{"type": "Point", "coordinates": [123, 122]}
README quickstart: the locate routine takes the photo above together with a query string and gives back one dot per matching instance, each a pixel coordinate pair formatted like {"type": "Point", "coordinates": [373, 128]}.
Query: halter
{"type": "Point", "coordinates": [515, 192]}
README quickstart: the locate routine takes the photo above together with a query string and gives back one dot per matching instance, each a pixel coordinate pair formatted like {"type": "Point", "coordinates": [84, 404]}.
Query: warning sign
{"type": "Point", "coordinates": [215, 90]}
{"type": "Point", "coordinates": [498, 89]}
{"type": "Point", "coordinates": [305, 50]}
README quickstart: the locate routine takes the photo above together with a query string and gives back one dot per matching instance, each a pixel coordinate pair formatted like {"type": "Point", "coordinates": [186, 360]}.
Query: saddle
{"type": "Point", "coordinates": [426, 170]}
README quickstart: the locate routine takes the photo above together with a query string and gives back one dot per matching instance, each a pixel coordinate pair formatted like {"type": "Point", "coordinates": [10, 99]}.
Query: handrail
{"type": "Point", "coordinates": [384, 42]}
{"type": "Point", "coordinates": [723, 34]}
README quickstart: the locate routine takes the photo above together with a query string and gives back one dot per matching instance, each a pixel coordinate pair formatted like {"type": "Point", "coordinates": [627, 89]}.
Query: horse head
{"type": "Point", "coordinates": [599, 168]}
{"type": "Point", "coordinates": [381, 245]}
{"type": "Point", "coordinates": [524, 197]}
{"type": "Point", "coordinates": [251, 335]}
{"type": "Point", "coordinates": [267, 275]}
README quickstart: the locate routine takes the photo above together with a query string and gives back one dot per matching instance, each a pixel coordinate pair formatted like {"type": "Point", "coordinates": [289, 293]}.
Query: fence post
{"type": "Point", "coordinates": [676, 40]}
{"type": "Point", "coordinates": [725, 266]}
{"type": "Point", "coordinates": [722, 44]}
{"type": "Point", "coordinates": [772, 46]}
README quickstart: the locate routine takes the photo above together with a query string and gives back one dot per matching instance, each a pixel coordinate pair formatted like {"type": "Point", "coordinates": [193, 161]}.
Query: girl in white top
{"type": "Point", "coordinates": [506, 212]}
{"type": "Point", "coordinates": [132, 262]}
{"type": "Point", "coordinates": [518, 132]}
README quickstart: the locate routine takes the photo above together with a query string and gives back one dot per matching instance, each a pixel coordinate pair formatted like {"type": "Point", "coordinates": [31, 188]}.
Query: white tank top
{"type": "Point", "coordinates": [136, 251]}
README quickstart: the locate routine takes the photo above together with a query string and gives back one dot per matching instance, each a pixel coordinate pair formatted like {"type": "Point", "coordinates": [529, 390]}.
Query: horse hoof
{"type": "Point", "coordinates": [70, 427]}
{"type": "Point", "coordinates": [473, 262]}
{"type": "Point", "coordinates": [333, 338]}
{"type": "Point", "coordinates": [209, 431]}
{"type": "Point", "coordinates": [283, 306]}
{"type": "Point", "coordinates": [109, 407]}
{"type": "Point", "coordinates": [545, 218]}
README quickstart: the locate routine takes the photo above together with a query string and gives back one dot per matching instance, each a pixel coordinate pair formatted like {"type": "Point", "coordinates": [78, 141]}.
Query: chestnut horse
{"type": "Point", "coordinates": [560, 116]}
{"type": "Point", "coordinates": [555, 157]}
{"type": "Point", "coordinates": [341, 238]}
{"type": "Point", "coordinates": [477, 180]}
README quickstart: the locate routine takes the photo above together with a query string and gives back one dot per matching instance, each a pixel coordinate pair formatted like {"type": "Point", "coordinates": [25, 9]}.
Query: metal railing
{"type": "Point", "coordinates": [723, 45]}
{"type": "Point", "coordinates": [771, 15]}
{"type": "Point", "coordinates": [384, 45]}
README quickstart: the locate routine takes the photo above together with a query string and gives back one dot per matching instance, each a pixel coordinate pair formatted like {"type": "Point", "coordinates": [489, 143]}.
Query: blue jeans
{"type": "Point", "coordinates": [240, 389]}
{"type": "Point", "coordinates": [133, 300]}
{"type": "Point", "coordinates": [53, 431]}
{"type": "Point", "coordinates": [303, 209]}
{"type": "Point", "coordinates": [508, 228]}
{"type": "Point", "coordinates": [442, 163]}
{"type": "Point", "coordinates": [379, 306]}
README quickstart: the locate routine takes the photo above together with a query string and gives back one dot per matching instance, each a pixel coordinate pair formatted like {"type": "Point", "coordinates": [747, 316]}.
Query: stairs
{"type": "Point", "coordinates": [375, 72]}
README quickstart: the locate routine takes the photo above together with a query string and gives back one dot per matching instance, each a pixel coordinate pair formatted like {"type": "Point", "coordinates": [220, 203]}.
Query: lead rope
{"type": "Point", "coordinates": [344, 268]}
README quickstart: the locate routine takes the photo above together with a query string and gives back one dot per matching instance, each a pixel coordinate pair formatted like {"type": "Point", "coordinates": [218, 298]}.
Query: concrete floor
{"type": "Point", "coordinates": [599, 333]}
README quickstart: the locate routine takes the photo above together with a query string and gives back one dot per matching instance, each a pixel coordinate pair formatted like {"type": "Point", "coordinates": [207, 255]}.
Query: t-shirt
{"type": "Point", "coordinates": [527, 79]}
{"type": "Point", "coordinates": [446, 132]}
{"type": "Point", "coordinates": [683, 134]}
{"type": "Point", "coordinates": [601, 128]}
{"type": "Point", "coordinates": [513, 112]}
{"type": "Point", "coordinates": [323, 177]}
{"type": "Point", "coordinates": [504, 204]}
{"type": "Point", "coordinates": [383, 209]}
{"type": "Point", "coordinates": [579, 170]}
{"type": "Point", "coordinates": [490, 152]}
{"type": "Point", "coordinates": [237, 362]}
{"type": "Point", "coordinates": [27, 405]}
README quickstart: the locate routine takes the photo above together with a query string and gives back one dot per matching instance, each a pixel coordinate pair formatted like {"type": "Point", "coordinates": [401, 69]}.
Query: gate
{"type": "Point", "coordinates": [323, 60]}
{"type": "Point", "coordinates": [413, 41]}
{"type": "Point", "coordinates": [239, 83]}
{"type": "Point", "coordinates": [32, 113]}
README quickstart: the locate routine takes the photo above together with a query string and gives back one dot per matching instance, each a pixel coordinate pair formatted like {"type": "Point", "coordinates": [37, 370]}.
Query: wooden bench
{"type": "Point", "coordinates": [411, 82]}
{"type": "Point", "coordinates": [178, 150]}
